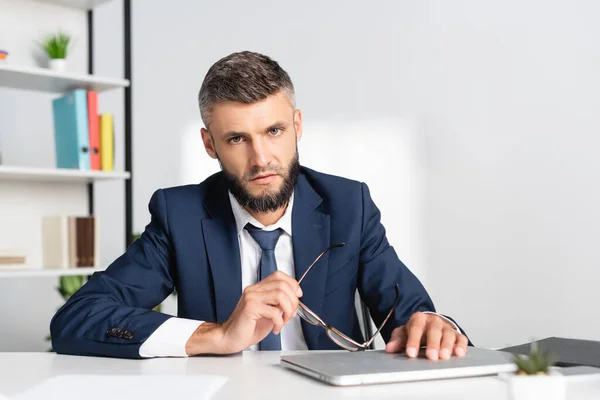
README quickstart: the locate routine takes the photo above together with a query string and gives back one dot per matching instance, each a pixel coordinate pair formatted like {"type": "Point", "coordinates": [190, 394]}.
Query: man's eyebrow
{"type": "Point", "coordinates": [277, 125]}
{"type": "Point", "coordinates": [232, 134]}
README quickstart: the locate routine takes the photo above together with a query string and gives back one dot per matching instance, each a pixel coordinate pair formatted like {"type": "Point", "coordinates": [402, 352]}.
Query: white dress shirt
{"type": "Point", "coordinates": [170, 338]}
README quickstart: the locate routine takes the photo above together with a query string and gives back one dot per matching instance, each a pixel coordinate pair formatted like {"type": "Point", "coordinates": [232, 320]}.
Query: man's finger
{"type": "Point", "coordinates": [460, 348]}
{"type": "Point", "coordinates": [434, 338]}
{"type": "Point", "coordinates": [279, 299]}
{"type": "Point", "coordinates": [281, 276]}
{"type": "Point", "coordinates": [265, 286]}
{"type": "Point", "coordinates": [449, 337]}
{"type": "Point", "coordinates": [273, 314]}
{"type": "Point", "coordinates": [397, 340]}
{"type": "Point", "coordinates": [285, 303]}
{"type": "Point", "coordinates": [415, 331]}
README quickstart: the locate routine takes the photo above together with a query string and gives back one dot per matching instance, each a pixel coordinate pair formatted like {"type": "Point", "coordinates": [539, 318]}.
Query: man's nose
{"type": "Point", "coordinates": [260, 153]}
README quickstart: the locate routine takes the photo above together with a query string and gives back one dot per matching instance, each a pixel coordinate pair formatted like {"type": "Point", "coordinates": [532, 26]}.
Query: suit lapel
{"type": "Point", "coordinates": [222, 246]}
{"type": "Point", "coordinates": [310, 236]}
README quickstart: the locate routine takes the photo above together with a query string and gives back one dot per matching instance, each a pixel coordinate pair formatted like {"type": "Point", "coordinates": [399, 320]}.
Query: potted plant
{"type": "Point", "coordinates": [535, 378]}
{"type": "Point", "coordinates": [57, 49]}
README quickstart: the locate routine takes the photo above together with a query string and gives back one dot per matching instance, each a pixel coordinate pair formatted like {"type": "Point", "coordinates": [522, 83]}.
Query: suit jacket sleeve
{"type": "Point", "coordinates": [381, 269]}
{"type": "Point", "coordinates": [111, 315]}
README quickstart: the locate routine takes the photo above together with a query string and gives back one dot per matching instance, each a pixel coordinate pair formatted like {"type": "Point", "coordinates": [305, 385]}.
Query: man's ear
{"type": "Point", "coordinates": [209, 143]}
{"type": "Point", "coordinates": [298, 124]}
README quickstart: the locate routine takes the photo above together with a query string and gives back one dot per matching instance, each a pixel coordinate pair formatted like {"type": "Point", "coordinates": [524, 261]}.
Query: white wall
{"type": "Point", "coordinates": [509, 95]}
{"type": "Point", "coordinates": [471, 121]}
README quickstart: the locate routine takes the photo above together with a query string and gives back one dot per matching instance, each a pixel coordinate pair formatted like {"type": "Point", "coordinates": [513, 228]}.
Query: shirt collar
{"type": "Point", "coordinates": [243, 217]}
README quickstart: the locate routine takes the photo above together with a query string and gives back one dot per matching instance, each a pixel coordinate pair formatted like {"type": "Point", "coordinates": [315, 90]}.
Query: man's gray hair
{"type": "Point", "coordinates": [244, 77]}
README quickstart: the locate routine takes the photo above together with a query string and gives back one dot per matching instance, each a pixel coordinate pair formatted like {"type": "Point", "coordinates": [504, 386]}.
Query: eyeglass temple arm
{"type": "Point", "coordinates": [317, 259]}
{"type": "Point", "coordinates": [368, 343]}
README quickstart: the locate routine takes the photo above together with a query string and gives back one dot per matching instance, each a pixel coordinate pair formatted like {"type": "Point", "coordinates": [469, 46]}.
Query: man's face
{"type": "Point", "coordinates": [256, 147]}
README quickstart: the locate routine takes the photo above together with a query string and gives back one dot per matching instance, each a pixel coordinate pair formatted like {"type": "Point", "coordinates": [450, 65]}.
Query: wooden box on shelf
{"type": "Point", "coordinates": [70, 241]}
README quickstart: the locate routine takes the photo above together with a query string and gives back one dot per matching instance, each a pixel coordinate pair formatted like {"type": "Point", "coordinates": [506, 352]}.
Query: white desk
{"type": "Point", "coordinates": [253, 375]}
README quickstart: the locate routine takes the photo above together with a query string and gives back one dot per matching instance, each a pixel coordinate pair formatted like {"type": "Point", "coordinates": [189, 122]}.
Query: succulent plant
{"type": "Point", "coordinates": [538, 362]}
{"type": "Point", "coordinates": [56, 46]}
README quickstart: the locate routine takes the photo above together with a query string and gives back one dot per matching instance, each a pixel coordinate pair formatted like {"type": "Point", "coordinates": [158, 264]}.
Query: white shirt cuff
{"type": "Point", "coordinates": [170, 338]}
{"type": "Point", "coordinates": [446, 319]}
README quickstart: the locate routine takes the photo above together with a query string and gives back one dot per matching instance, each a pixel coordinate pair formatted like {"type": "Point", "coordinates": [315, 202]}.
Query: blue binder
{"type": "Point", "coordinates": [71, 132]}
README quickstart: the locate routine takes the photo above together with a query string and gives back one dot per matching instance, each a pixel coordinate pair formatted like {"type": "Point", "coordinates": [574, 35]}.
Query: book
{"type": "Point", "coordinates": [12, 260]}
{"type": "Point", "coordinates": [107, 142]}
{"type": "Point", "coordinates": [12, 257]}
{"type": "Point", "coordinates": [71, 130]}
{"type": "Point", "coordinates": [94, 129]}
{"type": "Point", "coordinates": [86, 239]}
{"type": "Point", "coordinates": [55, 242]}
{"type": "Point", "coordinates": [70, 241]}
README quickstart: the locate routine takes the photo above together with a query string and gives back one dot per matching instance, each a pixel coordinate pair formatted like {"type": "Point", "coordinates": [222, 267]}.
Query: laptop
{"type": "Point", "coordinates": [343, 368]}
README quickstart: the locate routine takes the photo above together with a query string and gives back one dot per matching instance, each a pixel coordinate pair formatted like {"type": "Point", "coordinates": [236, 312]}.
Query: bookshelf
{"type": "Point", "coordinates": [10, 173]}
{"type": "Point", "coordinates": [20, 272]}
{"type": "Point", "coordinates": [80, 4]}
{"type": "Point", "coordinates": [56, 190]}
{"type": "Point", "coordinates": [45, 80]}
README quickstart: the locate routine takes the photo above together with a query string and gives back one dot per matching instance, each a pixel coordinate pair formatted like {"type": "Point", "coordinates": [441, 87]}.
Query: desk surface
{"type": "Point", "coordinates": [249, 374]}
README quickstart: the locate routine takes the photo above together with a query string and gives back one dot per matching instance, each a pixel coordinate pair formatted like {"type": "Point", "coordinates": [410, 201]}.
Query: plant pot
{"type": "Point", "coordinates": [525, 387]}
{"type": "Point", "coordinates": [58, 64]}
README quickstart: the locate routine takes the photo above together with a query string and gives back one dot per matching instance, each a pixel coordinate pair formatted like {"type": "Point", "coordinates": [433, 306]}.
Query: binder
{"type": "Point", "coordinates": [93, 126]}
{"type": "Point", "coordinates": [107, 142]}
{"type": "Point", "coordinates": [71, 132]}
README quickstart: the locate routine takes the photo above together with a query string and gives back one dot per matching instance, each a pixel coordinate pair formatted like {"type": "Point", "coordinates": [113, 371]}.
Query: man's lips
{"type": "Point", "coordinates": [262, 176]}
{"type": "Point", "coordinates": [264, 179]}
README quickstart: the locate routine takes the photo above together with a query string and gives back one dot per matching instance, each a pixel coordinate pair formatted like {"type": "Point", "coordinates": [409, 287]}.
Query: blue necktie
{"type": "Point", "coordinates": [267, 241]}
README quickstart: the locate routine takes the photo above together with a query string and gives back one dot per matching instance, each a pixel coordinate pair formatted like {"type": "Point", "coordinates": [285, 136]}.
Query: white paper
{"type": "Point", "coordinates": [130, 387]}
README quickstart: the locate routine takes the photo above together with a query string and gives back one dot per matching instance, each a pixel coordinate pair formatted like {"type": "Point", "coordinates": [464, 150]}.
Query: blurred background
{"type": "Point", "coordinates": [474, 123]}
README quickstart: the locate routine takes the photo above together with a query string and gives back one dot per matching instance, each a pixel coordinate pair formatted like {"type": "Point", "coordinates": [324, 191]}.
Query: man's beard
{"type": "Point", "coordinates": [269, 201]}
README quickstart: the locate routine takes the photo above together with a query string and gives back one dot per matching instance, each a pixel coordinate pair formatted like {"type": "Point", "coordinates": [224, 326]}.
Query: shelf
{"type": "Point", "coordinates": [10, 173]}
{"type": "Point", "coordinates": [81, 4]}
{"type": "Point", "coordinates": [46, 80]}
{"type": "Point", "coordinates": [22, 272]}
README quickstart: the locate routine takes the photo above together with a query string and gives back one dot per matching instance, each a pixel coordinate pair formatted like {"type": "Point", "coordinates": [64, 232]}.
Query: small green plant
{"type": "Point", "coordinates": [136, 236]}
{"type": "Point", "coordinates": [69, 285]}
{"type": "Point", "coordinates": [538, 362]}
{"type": "Point", "coordinates": [56, 45]}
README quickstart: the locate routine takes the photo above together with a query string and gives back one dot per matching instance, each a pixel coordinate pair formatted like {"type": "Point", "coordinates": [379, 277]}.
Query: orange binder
{"type": "Point", "coordinates": [94, 130]}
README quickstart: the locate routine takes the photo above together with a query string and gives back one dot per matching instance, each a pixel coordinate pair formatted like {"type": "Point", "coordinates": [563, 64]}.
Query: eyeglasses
{"type": "Point", "coordinates": [335, 335]}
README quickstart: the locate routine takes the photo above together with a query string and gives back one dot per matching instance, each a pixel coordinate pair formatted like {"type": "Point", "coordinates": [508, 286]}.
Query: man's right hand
{"type": "Point", "coordinates": [264, 307]}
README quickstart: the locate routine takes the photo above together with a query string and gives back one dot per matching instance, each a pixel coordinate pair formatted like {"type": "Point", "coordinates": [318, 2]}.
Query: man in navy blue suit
{"type": "Point", "coordinates": [240, 249]}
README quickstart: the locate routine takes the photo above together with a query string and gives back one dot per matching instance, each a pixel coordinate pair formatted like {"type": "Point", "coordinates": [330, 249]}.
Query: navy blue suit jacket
{"type": "Point", "coordinates": [191, 244]}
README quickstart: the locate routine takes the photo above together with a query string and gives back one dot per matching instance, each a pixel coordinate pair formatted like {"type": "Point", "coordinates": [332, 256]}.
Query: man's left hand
{"type": "Point", "coordinates": [440, 337]}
